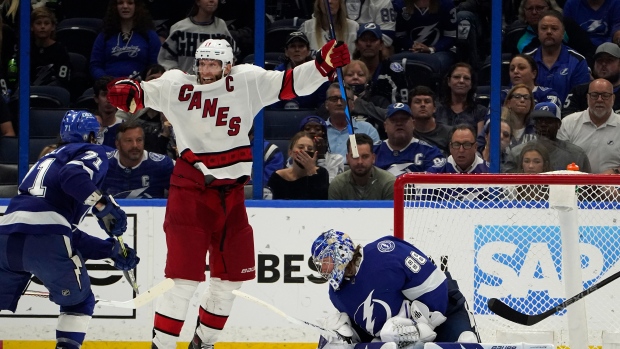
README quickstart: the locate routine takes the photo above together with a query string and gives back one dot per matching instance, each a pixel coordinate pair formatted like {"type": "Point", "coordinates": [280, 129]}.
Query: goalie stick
{"type": "Point", "coordinates": [135, 303]}
{"type": "Point", "coordinates": [291, 319]}
{"type": "Point", "coordinates": [503, 310]}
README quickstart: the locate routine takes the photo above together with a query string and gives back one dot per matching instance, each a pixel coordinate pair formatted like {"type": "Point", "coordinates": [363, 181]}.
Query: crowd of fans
{"type": "Point", "coordinates": [559, 107]}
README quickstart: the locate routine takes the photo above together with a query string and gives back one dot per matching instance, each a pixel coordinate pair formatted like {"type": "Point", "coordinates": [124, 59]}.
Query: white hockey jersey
{"type": "Point", "coordinates": [211, 121]}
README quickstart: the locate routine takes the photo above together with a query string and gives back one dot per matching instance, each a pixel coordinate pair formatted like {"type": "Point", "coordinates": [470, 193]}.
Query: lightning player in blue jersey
{"type": "Point", "coordinates": [390, 290]}
{"type": "Point", "coordinates": [39, 234]}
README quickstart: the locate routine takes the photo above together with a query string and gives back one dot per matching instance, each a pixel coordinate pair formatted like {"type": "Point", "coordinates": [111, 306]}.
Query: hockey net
{"type": "Point", "coordinates": [530, 240]}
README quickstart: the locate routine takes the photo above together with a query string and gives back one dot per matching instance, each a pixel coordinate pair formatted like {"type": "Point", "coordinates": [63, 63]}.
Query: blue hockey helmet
{"type": "Point", "coordinates": [77, 126]}
{"type": "Point", "coordinates": [331, 253]}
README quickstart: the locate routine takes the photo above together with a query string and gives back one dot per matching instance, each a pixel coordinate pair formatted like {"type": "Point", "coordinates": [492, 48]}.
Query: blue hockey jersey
{"type": "Point", "coordinates": [418, 156]}
{"type": "Point", "coordinates": [51, 196]}
{"type": "Point", "coordinates": [478, 166]}
{"type": "Point", "coordinates": [436, 30]}
{"type": "Point", "coordinates": [148, 179]}
{"type": "Point", "coordinates": [541, 94]}
{"type": "Point", "coordinates": [391, 271]}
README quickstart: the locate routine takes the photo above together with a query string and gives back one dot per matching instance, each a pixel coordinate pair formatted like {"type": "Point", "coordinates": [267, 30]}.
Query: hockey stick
{"type": "Point", "coordinates": [343, 92]}
{"type": "Point", "coordinates": [290, 318]}
{"type": "Point", "coordinates": [135, 303]}
{"type": "Point", "coordinates": [130, 275]}
{"type": "Point", "coordinates": [500, 308]}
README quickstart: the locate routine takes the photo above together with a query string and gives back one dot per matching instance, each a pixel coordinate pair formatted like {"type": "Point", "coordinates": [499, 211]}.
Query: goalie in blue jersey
{"type": "Point", "coordinates": [39, 234]}
{"type": "Point", "coordinates": [389, 291]}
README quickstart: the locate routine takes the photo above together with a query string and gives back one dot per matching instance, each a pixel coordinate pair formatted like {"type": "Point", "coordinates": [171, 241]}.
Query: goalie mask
{"type": "Point", "coordinates": [216, 49]}
{"type": "Point", "coordinates": [331, 253]}
{"type": "Point", "coordinates": [78, 126]}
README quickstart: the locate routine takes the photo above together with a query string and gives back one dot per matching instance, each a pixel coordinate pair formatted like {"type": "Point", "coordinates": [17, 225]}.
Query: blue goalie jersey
{"type": "Point", "coordinates": [418, 156]}
{"type": "Point", "coordinates": [149, 179]}
{"type": "Point", "coordinates": [52, 195]}
{"type": "Point", "coordinates": [391, 271]}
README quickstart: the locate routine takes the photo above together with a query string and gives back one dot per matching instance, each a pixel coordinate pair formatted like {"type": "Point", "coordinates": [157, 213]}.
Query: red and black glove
{"type": "Point", "coordinates": [126, 94]}
{"type": "Point", "coordinates": [331, 56]}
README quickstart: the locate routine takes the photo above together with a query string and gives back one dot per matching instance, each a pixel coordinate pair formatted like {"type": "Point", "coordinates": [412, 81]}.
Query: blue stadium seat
{"type": "Point", "coordinates": [282, 144]}
{"type": "Point", "coordinates": [80, 75]}
{"type": "Point", "coordinates": [283, 123]}
{"type": "Point", "coordinates": [79, 34]}
{"type": "Point", "coordinates": [45, 122]}
{"type": "Point", "coordinates": [9, 149]}
{"type": "Point", "coordinates": [484, 74]}
{"type": "Point", "coordinates": [272, 59]}
{"type": "Point", "coordinates": [278, 31]}
{"type": "Point", "coordinates": [86, 101]}
{"type": "Point", "coordinates": [483, 95]}
{"type": "Point", "coordinates": [8, 190]}
{"type": "Point", "coordinates": [420, 72]}
{"type": "Point", "coordinates": [8, 174]}
{"type": "Point", "coordinates": [49, 97]}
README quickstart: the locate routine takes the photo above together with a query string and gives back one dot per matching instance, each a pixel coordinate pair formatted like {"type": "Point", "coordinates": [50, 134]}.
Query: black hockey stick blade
{"type": "Point", "coordinates": [501, 309]}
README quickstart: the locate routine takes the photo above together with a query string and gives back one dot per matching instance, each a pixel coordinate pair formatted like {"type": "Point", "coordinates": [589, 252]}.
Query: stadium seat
{"type": "Point", "coordinates": [80, 76]}
{"type": "Point", "coordinates": [272, 59]}
{"type": "Point", "coordinates": [419, 72]}
{"type": "Point", "coordinates": [86, 101]}
{"type": "Point", "coordinates": [8, 190]}
{"type": "Point", "coordinates": [283, 123]}
{"type": "Point", "coordinates": [8, 174]}
{"type": "Point", "coordinates": [278, 31]}
{"type": "Point", "coordinates": [49, 97]}
{"type": "Point", "coordinates": [45, 122]}
{"type": "Point", "coordinates": [484, 74]}
{"type": "Point", "coordinates": [282, 144]}
{"type": "Point", "coordinates": [483, 95]}
{"type": "Point", "coordinates": [9, 151]}
{"type": "Point", "coordinates": [79, 34]}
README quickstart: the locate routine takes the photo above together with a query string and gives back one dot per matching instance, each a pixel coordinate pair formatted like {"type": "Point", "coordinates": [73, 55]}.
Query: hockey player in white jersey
{"type": "Point", "coordinates": [212, 113]}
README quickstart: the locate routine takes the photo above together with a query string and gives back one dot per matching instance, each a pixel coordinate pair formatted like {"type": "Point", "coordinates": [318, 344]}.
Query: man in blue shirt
{"type": "Point", "coordinates": [135, 172]}
{"type": "Point", "coordinates": [559, 66]}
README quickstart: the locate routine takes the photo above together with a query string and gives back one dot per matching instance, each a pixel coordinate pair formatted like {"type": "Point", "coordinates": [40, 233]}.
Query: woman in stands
{"type": "Point", "coordinates": [519, 104]}
{"type": "Point", "coordinates": [128, 43]}
{"type": "Point", "coordinates": [534, 159]}
{"type": "Point", "coordinates": [458, 105]}
{"type": "Point", "coordinates": [523, 70]}
{"type": "Point", "coordinates": [304, 180]}
{"type": "Point", "coordinates": [49, 59]}
{"type": "Point", "coordinates": [317, 28]}
{"type": "Point", "coordinates": [317, 129]}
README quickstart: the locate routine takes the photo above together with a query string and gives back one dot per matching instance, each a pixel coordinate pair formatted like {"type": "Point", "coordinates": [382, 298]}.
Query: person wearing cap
{"type": "Point", "coordinates": [296, 52]}
{"type": "Point", "coordinates": [559, 66]}
{"type": "Point", "coordinates": [600, 19]}
{"type": "Point", "coordinates": [422, 104]}
{"type": "Point", "coordinates": [387, 79]}
{"type": "Point", "coordinates": [606, 66]}
{"type": "Point", "coordinates": [317, 27]}
{"type": "Point", "coordinates": [337, 125]}
{"type": "Point", "coordinates": [547, 122]}
{"type": "Point", "coordinates": [374, 11]}
{"type": "Point", "coordinates": [401, 153]}
{"type": "Point", "coordinates": [317, 128]}
{"type": "Point", "coordinates": [364, 180]}
{"type": "Point", "coordinates": [597, 129]}
{"type": "Point", "coordinates": [463, 156]}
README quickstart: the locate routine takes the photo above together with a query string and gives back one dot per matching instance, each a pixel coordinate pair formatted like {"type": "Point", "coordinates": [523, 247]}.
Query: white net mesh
{"type": "Point", "coordinates": [505, 241]}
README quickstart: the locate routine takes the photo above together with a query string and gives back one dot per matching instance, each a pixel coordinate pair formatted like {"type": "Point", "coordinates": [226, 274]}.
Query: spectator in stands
{"type": "Point", "coordinates": [363, 181]}
{"type": "Point", "coordinates": [422, 104]}
{"type": "Point", "coordinates": [380, 12]}
{"type": "Point", "coordinates": [547, 121]}
{"type": "Point", "coordinates": [47, 149]}
{"type": "Point", "coordinates": [286, 9]}
{"type": "Point", "coordinates": [317, 28]}
{"type": "Point", "coordinates": [239, 18]}
{"type": "Point", "coordinates": [179, 49]}
{"type": "Point", "coordinates": [401, 153]}
{"type": "Point", "coordinates": [337, 125]}
{"type": "Point", "coordinates": [505, 138]}
{"type": "Point", "coordinates": [297, 51]}
{"type": "Point", "coordinates": [273, 159]}
{"type": "Point", "coordinates": [157, 129]}
{"type": "Point", "coordinates": [559, 66]}
{"type": "Point", "coordinates": [304, 180]}
{"type": "Point", "coordinates": [317, 129]}
{"type": "Point", "coordinates": [134, 172]}
{"type": "Point", "coordinates": [49, 59]}
{"type": "Point", "coordinates": [106, 112]}
{"type": "Point", "coordinates": [473, 21]}
{"type": "Point", "coordinates": [600, 19]}
{"type": "Point", "coordinates": [128, 43]}
{"type": "Point", "coordinates": [387, 79]}
{"type": "Point", "coordinates": [522, 35]}
{"type": "Point", "coordinates": [596, 129]}
{"type": "Point", "coordinates": [534, 158]}
{"type": "Point", "coordinates": [524, 70]}
{"type": "Point", "coordinates": [458, 105]}
{"type": "Point", "coordinates": [519, 104]}
{"type": "Point", "coordinates": [606, 66]}
{"type": "Point", "coordinates": [463, 156]}
{"type": "Point", "coordinates": [426, 30]}
{"type": "Point", "coordinates": [6, 122]}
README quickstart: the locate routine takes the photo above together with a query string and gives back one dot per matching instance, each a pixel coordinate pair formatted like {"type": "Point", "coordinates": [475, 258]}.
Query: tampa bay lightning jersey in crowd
{"type": "Point", "coordinates": [601, 24]}
{"type": "Point", "coordinates": [107, 136]}
{"type": "Point", "coordinates": [418, 156]}
{"type": "Point", "coordinates": [390, 81]}
{"type": "Point", "coordinates": [540, 93]}
{"type": "Point", "coordinates": [450, 166]}
{"type": "Point", "coordinates": [391, 271]}
{"type": "Point", "coordinates": [148, 179]}
{"type": "Point", "coordinates": [436, 30]}
{"type": "Point", "coordinates": [51, 196]}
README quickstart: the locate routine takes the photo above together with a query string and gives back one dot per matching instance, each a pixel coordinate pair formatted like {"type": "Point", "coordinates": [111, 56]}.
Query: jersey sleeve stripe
{"type": "Point", "coordinates": [432, 282]}
{"type": "Point", "coordinates": [84, 167]}
{"type": "Point", "coordinates": [288, 91]}
{"type": "Point", "coordinates": [34, 218]}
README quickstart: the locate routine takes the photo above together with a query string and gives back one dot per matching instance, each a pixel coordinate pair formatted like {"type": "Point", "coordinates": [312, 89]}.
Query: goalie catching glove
{"type": "Point", "coordinates": [331, 56]}
{"type": "Point", "coordinates": [120, 261]}
{"type": "Point", "coordinates": [111, 216]}
{"type": "Point", "coordinates": [403, 330]}
{"type": "Point", "coordinates": [126, 94]}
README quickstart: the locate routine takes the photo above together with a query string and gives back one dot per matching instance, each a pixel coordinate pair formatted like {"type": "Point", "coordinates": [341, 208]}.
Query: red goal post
{"type": "Point", "coordinates": [530, 240]}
